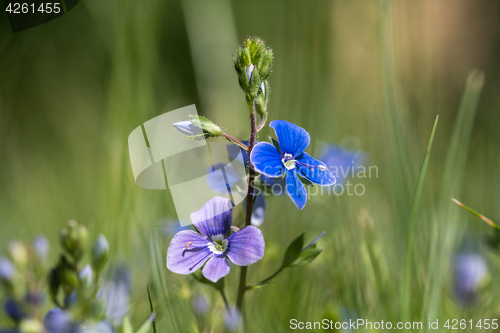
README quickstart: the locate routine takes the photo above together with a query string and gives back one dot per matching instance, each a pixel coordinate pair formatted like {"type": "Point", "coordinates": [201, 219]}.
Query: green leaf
{"type": "Point", "coordinates": [219, 285]}
{"type": "Point", "coordinates": [146, 327]}
{"type": "Point", "coordinates": [297, 255]}
{"type": "Point", "coordinates": [127, 326]}
{"type": "Point", "coordinates": [307, 256]}
{"type": "Point", "coordinates": [293, 251]}
{"type": "Point", "coordinates": [275, 143]}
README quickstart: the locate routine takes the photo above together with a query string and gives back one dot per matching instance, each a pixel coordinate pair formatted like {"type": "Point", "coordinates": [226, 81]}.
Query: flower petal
{"type": "Point", "coordinates": [295, 189]}
{"type": "Point", "coordinates": [216, 180]}
{"type": "Point", "coordinates": [266, 159]}
{"type": "Point", "coordinates": [259, 210]}
{"type": "Point", "coordinates": [214, 218]}
{"type": "Point", "coordinates": [308, 168]}
{"type": "Point", "coordinates": [187, 252]}
{"type": "Point", "coordinates": [341, 162]}
{"type": "Point", "coordinates": [216, 268]}
{"type": "Point", "coordinates": [292, 138]}
{"type": "Point", "coordinates": [246, 246]}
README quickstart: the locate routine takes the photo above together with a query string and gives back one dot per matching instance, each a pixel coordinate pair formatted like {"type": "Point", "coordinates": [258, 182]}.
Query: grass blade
{"type": "Point", "coordinates": [473, 212]}
{"type": "Point", "coordinates": [413, 221]}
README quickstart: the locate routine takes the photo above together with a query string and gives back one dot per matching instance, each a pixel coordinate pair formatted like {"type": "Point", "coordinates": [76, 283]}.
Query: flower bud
{"type": "Point", "coordinates": [262, 98]}
{"type": "Point", "coordinates": [189, 129]}
{"type": "Point", "coordinates": [57, 320]}
{"type": "Point", "coordinates": [19, 254]}
{"type": "Point", "coordinates": [16, 310]}
{"type": "Point", "coordinates": [198, 128]}
{"type": "Point", "coordinates": [41, 246]}
{"type": "Point", "coordinates": [74, 239]}
{"type": "Point", "coordinates": [253, 63]}
{"type": "Point", "coordinates": [31, 326]}
{"type": "Point", "coordinates": [249, 72]}
{"type": "Point", "coordinates": [7, 270]}
{"type": "Point", "coordinates": [86, 275]}
{"type": "Point", "coordinates": [266, 63]}
{"type": "Point", "coordinates": [100, 253]}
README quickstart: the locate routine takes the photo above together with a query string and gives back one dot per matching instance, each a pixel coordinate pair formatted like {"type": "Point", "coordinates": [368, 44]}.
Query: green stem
{"type": "Point", "coordinates": [235, 141]}
{"type": "Point", "coordinates": [251, 176]}
{"type": "Point", "coordinates": [225, 299]}
{"type": "Point", "coordinates": [272, 276]}
{"type": "Point", "coordinates": [263, 120]}
{"type": "Point", "coordinates": [152, 309]}
{"type": "Point", "coordinates": [473, 212]}
{"type": "Point", "coordinates": [413, 222]}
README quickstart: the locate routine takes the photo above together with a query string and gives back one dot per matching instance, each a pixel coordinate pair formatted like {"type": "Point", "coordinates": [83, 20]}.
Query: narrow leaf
{"type": "Point", "coordinates": [473, 212]}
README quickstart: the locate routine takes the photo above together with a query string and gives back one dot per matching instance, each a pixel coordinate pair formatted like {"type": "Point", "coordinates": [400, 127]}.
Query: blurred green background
{"type": "Point", "coordinates": [372, 72]}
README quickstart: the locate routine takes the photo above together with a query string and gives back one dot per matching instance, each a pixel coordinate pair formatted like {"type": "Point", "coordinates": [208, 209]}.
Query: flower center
{"type": "Point", "coordinates": [218, 244]}
{"type": "Point", "coordinates": [288, 161]}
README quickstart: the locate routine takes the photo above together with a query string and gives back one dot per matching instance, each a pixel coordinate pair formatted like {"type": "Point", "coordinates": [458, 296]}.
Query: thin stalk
{"type": "Point", "coordinates": [263, 120]}
{"type": "Point", "coordinates": [473, 212]}
{"type": "Point", "coordinates": [225, 299]}
{"type": "Point", "coordinates": [251, 176]}
{"type": "Point", "coordinates": [272, 276]}
{"type": "Point", "coordinates": [152, 309]}
{"type": "Point", "coordinates": [235, 141]}
{"type": "Point", "coordinates": [413, 222]}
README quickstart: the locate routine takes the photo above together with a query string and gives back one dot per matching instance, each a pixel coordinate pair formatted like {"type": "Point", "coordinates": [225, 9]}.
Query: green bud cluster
{"type": "Point", "coordinates": [253, 62]}
{"type": "Point", "coordinates": [73, 276]}
{"type": "Point", "coordinates": [74, 240]}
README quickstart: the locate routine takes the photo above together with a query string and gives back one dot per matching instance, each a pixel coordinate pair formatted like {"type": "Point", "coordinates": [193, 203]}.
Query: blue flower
{"type": "Point", "coordinates": [470, 272]}
{"type": "Point", "coordinates": [115, 294]}
{"type": "Point", "coordinates": [291, 160]}
{"type": "Point", "coordinates": [341, 162]}
{"type": "Point", "coordinates": [190, 250]}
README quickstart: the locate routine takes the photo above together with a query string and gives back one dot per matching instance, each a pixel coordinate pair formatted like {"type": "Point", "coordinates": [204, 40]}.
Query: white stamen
{"type": "Point", "coordinates": [218, 244]}
{"type": "Point", "coordinates": [288, 161]}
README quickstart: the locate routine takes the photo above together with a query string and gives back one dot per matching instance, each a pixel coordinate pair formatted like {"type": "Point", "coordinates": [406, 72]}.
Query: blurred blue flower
{"type": "Point", "coordinates": [86, 274]}
{"type": "Point", "coordinates": [232, 319]}
{"type": "Point", "coordinates": [170, 227]}
{"type": "Point", "coordinates": [341, 162]}
{"type": "Point", "coordinates": [470, 271]}
{"type": "Point", "coordinates": [189, 250]}
{"type": "Point", "coordinates": [201, 304]}
{"type": "Point", "coordinates": [7, 269]}
{"type": "Point", "coordinates": [15, 310]}
{"type": "Point", "coordinates": [58, 321]}
{"type": "Point", "coordinates": [115, 295]}
{"type": "Point", "coordinates": [41, 246]}
{"type": "Point", "coordinates": [290, 160]}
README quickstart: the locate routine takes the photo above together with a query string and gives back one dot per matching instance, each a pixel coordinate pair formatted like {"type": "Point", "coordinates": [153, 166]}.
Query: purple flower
{"type": "Point", "coordinates": [189, 250]}
{"type": "Point", "coordinates": [470, 271]}
{"type": "Point", "coordinates": [232, 319]}
{"type": "Point", "coordinates": [341, 162]}
{"type": "Point", "coordinates": [291, 160]}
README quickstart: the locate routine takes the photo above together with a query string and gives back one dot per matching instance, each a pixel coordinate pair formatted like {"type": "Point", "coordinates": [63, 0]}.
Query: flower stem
{"type": "Point", "coordinates": [235, 141]}
{"type": "Point", "coordinates": [272, 276]}
{"type": "Point", "coordinates": [251, 175]}
{"type": "Point", "coordinates": [152, 309]}
{"type": "Point", "coordinates": [263, 120]}
{"type": "Point", "coordinates": [225, 299]}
